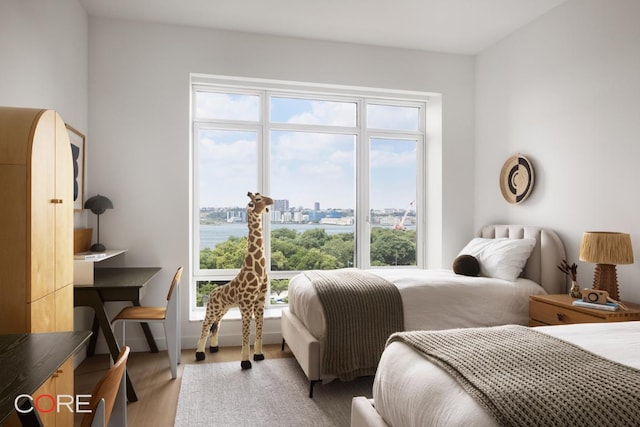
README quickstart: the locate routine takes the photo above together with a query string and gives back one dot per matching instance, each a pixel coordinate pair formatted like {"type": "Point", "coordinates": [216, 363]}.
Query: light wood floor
{"type": "Point", "coordinates": [150, 375]}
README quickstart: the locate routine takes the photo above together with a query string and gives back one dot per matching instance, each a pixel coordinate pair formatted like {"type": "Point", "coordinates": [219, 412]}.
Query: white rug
{"type": "Point", "coordinates": [273, 393]}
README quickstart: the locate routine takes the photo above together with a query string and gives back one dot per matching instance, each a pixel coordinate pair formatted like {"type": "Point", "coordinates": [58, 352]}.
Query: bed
{"type": "Point", "coordinates": [434, 299]}
{"type": "Point", "coordinates": [412, 390]}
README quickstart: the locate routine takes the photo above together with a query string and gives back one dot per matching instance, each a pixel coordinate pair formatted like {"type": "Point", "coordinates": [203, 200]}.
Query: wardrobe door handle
{"type": "Point", "coordinates": [56, 201]}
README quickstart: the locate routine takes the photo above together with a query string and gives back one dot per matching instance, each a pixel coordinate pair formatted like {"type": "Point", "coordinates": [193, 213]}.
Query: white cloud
{"type": "Point", "coordinates": [387, 159]}
{"type": "Point", "coordinates": [327, 113]}
{"type": "Point", "coordinates": [227, 106]}
{"type": "Point", "coordinates": [392, 117]}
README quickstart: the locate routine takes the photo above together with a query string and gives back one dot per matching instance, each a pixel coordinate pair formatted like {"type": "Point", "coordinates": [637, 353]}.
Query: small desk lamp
{"type": "Point", "coordinates": [98, 204]}
{"type": "Point", "coordinates": [606, 250]}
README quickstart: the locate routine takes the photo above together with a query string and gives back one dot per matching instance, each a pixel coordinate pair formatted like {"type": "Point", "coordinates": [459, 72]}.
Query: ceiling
{"type": "Point", "coordinates": [452, 26]}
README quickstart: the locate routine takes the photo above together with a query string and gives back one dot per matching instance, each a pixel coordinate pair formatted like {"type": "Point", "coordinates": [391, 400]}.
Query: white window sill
{"type": "Point", "coordinates": [234, 314]}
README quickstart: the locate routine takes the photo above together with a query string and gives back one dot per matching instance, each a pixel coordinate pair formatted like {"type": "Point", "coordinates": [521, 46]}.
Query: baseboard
{"type": "Point", "coordinates": [232, 340]}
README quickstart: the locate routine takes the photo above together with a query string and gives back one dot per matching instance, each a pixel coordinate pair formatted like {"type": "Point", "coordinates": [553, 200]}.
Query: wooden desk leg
{"type": "Point", "coordinates": [103, 321]}
{"type": "Point", "coordinates": [147, 332]}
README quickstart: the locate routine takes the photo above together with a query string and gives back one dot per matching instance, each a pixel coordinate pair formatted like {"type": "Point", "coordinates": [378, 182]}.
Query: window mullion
{"type": "Point", "coordinates": [264, 176]}
{"type": "Point", "coordinates": [363, 220]}
{"type": "Point", "coordinates": [421, 204]}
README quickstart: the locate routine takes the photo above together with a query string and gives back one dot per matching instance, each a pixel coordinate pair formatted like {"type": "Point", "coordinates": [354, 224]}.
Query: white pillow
{"type": "Point", "coordinates": [500, 258]}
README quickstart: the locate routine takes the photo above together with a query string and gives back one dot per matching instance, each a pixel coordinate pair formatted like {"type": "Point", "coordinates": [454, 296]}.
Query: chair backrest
{"type": "Point", "coordinates": [175, 282]}
{"type": "Point", "coordinates": [107, 389]}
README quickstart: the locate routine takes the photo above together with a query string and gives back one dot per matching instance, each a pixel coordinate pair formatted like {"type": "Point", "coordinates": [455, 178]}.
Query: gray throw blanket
{"type": "Point", "coordinates": [527, 378]}
{"type": "Point", "coordinates": [361, 311]}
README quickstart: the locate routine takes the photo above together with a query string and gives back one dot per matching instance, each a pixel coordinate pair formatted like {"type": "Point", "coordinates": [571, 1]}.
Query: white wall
{"type": "Point", "coordinates": [565, 92]}
{"type": "Point", "coordinates": [44, 51]}
{"type": "Point", "coordinates": [139, 126]}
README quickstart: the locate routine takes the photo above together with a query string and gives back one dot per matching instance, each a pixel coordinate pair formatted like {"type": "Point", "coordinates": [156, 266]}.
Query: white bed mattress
{"type": "Point", "coordinates": [410, 391]}
{"type": "Point", "coordinates": [432, 299]}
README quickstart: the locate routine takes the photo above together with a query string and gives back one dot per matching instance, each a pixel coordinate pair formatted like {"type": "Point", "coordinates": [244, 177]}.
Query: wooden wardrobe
{"type": "Point", "coordinates": [36, 233]}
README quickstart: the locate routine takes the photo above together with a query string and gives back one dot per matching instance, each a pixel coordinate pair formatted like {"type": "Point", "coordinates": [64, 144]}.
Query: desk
{"type": "Point", "coordinates": [27, 360]}
{"type": "Point", "coordinates": [114, 284]}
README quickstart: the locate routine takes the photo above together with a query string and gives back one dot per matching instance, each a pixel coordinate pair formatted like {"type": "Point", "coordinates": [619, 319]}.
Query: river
{"type": "Point", "coordinates": [213, 234]}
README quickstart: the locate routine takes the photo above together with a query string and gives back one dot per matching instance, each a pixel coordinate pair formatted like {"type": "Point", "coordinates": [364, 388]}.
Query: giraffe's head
{"type": "Point", "coordinates": [259, 203]}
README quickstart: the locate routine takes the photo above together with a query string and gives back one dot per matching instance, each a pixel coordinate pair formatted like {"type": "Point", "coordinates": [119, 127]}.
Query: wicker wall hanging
{"type": "Point", "coordinates": [516, 179]}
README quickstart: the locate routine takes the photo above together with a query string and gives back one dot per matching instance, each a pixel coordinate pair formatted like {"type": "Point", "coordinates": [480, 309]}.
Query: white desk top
{"type": "Point", "coordinates": [97, 256]}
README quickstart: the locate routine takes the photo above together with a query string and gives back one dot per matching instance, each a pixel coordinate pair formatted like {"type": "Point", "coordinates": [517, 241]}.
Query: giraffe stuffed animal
{"type": "Point", "coordinates": [247, 290]}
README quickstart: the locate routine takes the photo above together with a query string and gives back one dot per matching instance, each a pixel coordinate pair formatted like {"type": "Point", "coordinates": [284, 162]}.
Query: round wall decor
{"type": "Point", "coordinates": [516, 179]}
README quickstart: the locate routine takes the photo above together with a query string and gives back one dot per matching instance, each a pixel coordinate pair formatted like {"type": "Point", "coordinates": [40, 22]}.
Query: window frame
{"type": "Point", "coordinates": [266, 89]}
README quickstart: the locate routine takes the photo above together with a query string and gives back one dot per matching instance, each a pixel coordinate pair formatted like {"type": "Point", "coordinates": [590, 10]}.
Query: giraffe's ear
{"type": "Point", "coordinates": [250, 194]}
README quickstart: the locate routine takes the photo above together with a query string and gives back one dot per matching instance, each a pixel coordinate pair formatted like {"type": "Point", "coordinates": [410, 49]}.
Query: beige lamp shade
{"type": "Point", "coordinates": [601, 247]}
{"type": "Point", "coordinates": [606, 250]}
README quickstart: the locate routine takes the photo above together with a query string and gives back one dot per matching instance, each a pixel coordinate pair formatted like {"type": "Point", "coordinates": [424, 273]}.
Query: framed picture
{"type": "Point", "coordinates": [78, 141]}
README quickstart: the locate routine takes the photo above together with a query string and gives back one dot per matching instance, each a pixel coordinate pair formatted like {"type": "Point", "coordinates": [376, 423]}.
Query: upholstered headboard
{"type": "Point", "coordinates": [542, 266]}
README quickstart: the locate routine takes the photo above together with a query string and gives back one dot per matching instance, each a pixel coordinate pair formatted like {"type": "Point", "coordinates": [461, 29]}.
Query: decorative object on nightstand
{"type": "Point", "coordinates": [606, 250]}
{"type": "Point", "coordinates": [98, 205]}
{"type": "Point", "coordinates": [571, 271]}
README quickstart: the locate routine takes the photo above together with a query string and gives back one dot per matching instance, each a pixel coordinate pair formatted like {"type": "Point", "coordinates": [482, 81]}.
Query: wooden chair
{"type": "Point", "coordinates": [169, 316]}
{"type": "Point", "coordinates": [109, 393]}
{"type": "Point", "coordinates": [107, 397]}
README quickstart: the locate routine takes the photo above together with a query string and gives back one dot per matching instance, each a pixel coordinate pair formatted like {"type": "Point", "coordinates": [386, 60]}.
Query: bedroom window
{"type": "Point", "coordinates": [345, 167]}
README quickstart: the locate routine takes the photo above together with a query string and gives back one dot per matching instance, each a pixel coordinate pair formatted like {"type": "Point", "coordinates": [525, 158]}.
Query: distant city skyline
{"type": "Point", "coordinates": [306, 208]}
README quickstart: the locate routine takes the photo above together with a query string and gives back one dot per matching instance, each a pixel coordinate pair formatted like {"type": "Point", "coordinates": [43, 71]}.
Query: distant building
{"type": "Point", "coordinates": [337, 221]}
{"type": "Point", "coordinates": [237, 215]}
{"type": "Point", "coordinates": [316, 206]}
{"type": "Point", "coordinates": [315, 216]}
{"type": "Point", "coordinates": [281, 205]}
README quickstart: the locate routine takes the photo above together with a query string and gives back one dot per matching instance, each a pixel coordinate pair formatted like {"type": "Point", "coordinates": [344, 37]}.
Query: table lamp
{"type": "Point", "coordinates": [606, 250]}
{"type": "Point", "coordinates": [98, 204]}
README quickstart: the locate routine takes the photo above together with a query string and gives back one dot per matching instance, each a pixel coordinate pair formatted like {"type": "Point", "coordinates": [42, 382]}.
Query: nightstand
{"type": "Point", "coordinates": [558, 310]}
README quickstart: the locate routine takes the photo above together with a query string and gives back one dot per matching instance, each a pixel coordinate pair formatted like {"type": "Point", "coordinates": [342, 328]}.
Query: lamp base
{"type": "Point", "coordinates": [605, 278]}
{"type": "Point", "coordinates": [98, 247]}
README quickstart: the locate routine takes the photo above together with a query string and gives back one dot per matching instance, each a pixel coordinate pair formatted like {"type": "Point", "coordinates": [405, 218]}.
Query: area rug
{"type": "Point", "coordinates": [273, 393]}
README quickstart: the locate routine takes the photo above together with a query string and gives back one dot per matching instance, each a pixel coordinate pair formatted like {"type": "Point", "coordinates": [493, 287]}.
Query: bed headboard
{"type": "Point", "coordinates": [542, 266]}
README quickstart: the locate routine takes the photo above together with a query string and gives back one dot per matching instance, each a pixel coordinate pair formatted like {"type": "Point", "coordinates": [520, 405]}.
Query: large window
{"type": "Point", "coordinates": [345, 167]}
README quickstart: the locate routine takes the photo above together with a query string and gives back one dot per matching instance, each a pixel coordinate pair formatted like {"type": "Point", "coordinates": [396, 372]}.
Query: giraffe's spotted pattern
{"type": "Point", "coordinates": [247, 290]}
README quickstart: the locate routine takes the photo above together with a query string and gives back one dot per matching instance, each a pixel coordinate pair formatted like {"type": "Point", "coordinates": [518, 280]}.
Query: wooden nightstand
{"type": "Point", "coordinates": [558, 310]}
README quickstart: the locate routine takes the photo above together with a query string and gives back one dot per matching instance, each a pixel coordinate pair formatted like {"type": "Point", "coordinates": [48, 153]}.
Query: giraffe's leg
{"type": "Point", "coordinates": [207, 323]}
{"type": "Point", "coordinates": [213, 341]}
{"type": "Point", "coordinates": [214, 313]}
{"type": "Point", "coordinates": [259, 316]}
{"type": "Point", "coordinates": [246, 331]}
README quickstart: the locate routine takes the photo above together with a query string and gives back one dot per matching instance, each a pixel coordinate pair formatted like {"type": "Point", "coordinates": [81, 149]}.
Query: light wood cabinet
{"type": "Point", "coordinates": [60, 383]}
{"type": "Point", "coordinates": [558, 310]}
{"type": "Point", "coordinates": [36, 231]}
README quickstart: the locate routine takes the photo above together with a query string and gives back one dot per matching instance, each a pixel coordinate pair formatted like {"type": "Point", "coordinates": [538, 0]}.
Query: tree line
{"type": "Point", "coordinates": [312, 249]}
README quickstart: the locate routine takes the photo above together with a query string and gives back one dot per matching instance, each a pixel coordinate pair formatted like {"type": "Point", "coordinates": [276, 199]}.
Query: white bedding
{"type": "Point", "coordinates": [432, 299]}
{"type": "Point", "coordinates": [410, 391]}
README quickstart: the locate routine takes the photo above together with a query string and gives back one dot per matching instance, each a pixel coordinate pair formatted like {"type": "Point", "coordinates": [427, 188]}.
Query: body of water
{"type": "Point", "coordinates": [214, 234]}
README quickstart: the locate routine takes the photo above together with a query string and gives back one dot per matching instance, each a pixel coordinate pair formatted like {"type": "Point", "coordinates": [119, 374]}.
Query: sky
{"type": "Point", "coordinates": [306, 167]}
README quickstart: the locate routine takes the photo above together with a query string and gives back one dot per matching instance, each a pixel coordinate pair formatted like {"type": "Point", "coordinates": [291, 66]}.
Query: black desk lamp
{"type": "Point", "coordinates": [98, 204]}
